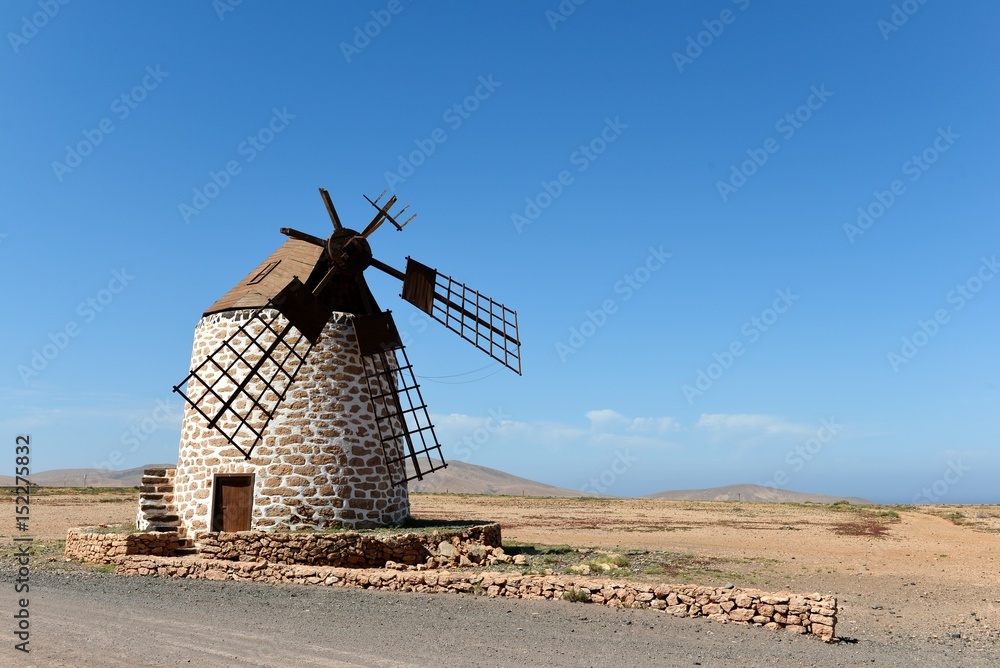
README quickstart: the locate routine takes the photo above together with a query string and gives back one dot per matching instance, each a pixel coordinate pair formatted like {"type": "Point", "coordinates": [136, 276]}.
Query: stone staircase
{"type": "Point", "coordinates": [187, 548]}
{"type": "Point", "coordinates": [157, 511]}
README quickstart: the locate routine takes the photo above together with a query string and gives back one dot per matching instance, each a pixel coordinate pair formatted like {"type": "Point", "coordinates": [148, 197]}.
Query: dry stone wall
{"type": "Point", "coordinates": [89, 544]}
{"type": "Point", "coordinates": [320, 463]}
{"type": "Point", "coordinates": [474, 545]}
{"type": "Point", "coordinates": [802, 614]}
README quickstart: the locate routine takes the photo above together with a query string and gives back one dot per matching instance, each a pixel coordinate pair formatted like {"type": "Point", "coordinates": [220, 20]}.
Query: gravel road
{"type": "Point", "coordinates": [93, 619]}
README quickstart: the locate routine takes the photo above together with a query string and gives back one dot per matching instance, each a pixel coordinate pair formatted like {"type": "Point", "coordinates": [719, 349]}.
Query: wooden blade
{"type": "Point", "coordinates": [304, 311]}
{"type": "Point", "coordinates": [483, 322]}
{"type": "Point", "coordinates": [380, 217]}
{"type": "Point", "coordinates": [404, 425]}
{"type": "Point", "coordinates": [330, 209]}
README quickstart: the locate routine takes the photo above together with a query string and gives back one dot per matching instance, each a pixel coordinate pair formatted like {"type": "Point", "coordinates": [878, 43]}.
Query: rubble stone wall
{"type": "Point", "coordinates": [353, 549]}
{"type": "Point", "coordinates": [796, 613]}
{"type": "Point", "coordinates": [469, 546]}
{"type": "Point", "coordinates": [90, 545]}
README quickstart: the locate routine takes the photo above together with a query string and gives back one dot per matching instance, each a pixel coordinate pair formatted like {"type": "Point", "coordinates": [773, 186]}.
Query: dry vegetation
{"type": "Point", "coordinates": [923, 571]}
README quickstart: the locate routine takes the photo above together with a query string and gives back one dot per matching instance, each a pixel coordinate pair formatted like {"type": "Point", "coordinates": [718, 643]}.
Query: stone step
{"type": "Point", "coordinates": [155, 480]}
{"type": "Point", "coordinates": [187, 547]}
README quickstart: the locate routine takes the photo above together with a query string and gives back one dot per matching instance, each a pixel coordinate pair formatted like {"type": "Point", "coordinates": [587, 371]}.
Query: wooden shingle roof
{"type": "Point", "coordinates": [293, 258]}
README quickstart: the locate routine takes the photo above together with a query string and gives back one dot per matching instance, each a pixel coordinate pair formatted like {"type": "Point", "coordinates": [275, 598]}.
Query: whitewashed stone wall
{"type": "Point", "coordinates": [320, 463]}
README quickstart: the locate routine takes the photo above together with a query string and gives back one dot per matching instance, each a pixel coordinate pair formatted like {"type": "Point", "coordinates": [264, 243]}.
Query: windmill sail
{"type": "Point", "coordinates": [404, 425]}
{"type": "Point", "coordinates": [483, 322]}
{"type": "Point", "coordinates": [238, 387]}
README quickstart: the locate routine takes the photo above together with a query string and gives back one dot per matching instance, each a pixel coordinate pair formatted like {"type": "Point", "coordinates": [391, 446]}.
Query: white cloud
{"type": "Point", "coordinates": [744, 430]}
{"type": "Point", "coordinates": [609, 421]}
{"type": "Point", "coordinates": [606, 428]}
{"type": "Point", "coordinates": [749, 423]}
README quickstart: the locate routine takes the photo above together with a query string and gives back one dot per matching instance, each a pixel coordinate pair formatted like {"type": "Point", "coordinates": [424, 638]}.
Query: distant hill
{"type": "Point", "coordinates": [458, 478]}
{"type": "Point", "coordinates": [750, 493]}
{"type": "Point", "coordinates": [462, 478]}
{"type": "Point", "coordinates": [84, 477]}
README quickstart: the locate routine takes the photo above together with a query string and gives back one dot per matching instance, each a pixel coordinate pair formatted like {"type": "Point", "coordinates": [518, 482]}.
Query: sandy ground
{"type": "Point", "coordinates": [933, 575]}
{"type": "Point", "coordinates": [927, 576]}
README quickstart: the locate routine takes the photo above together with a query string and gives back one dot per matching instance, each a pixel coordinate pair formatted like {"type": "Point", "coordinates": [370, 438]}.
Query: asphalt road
{"type": "Point", "coordinates": [92, 619]}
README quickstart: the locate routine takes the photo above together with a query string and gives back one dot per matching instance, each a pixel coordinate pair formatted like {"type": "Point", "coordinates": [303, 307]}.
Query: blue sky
{"type": "Point", "coordinates": [747, 242]}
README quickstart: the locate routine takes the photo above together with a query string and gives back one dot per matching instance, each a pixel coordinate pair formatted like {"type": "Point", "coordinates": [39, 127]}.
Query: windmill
{"type": "Point", "coordinates": [302, 406]}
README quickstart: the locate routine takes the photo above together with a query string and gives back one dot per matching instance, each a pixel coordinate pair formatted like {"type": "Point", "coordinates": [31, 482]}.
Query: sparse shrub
{"type": "Point", "coordinates": [617, 560]}
{"type": "Point", "coordinates": [613, 560]}
{"type": "Point", "coordinates": [576, 595]}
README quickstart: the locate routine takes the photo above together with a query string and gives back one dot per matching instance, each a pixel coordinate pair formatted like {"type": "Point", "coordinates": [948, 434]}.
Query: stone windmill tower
{"type": "Point", "coordinates": [302, 408]}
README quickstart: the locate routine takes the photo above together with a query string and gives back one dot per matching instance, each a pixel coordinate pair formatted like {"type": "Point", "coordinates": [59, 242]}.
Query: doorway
{"type": "Point", "coordinates": [233, 503]}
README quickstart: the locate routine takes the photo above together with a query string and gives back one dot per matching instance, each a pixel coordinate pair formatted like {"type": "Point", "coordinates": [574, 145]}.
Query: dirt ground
{"type": "Point", "coordinates": [932, 572]}
{"type": "Point", "coordinates": [928, 572]}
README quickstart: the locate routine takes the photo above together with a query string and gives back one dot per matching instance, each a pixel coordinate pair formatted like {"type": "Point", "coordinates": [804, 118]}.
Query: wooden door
{"type": "Point", "coordinates": [233, 503]}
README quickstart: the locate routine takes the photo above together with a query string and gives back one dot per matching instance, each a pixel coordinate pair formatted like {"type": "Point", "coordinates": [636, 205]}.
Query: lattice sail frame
{"type": "Point", "coordinates": [484, 322]}
{"type": "Point", "coordinates": [237, 389]}
{"type": "Point", "coordinates": [404, 425]}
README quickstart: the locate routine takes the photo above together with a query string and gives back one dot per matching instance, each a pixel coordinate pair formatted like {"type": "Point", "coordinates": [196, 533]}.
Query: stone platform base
{"type": "Point", "coordinates": [465, 545]}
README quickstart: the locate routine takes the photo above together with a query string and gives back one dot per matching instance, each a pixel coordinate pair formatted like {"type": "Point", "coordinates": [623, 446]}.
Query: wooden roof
{"type": "Point", "coordinates": [293, 258]}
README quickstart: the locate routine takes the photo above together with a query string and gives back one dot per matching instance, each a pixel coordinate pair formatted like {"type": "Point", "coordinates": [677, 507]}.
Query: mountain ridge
{"type": "Point", "coordinates": [751, 493]}
{"type": "Point", "coordinates": [462, 478]}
